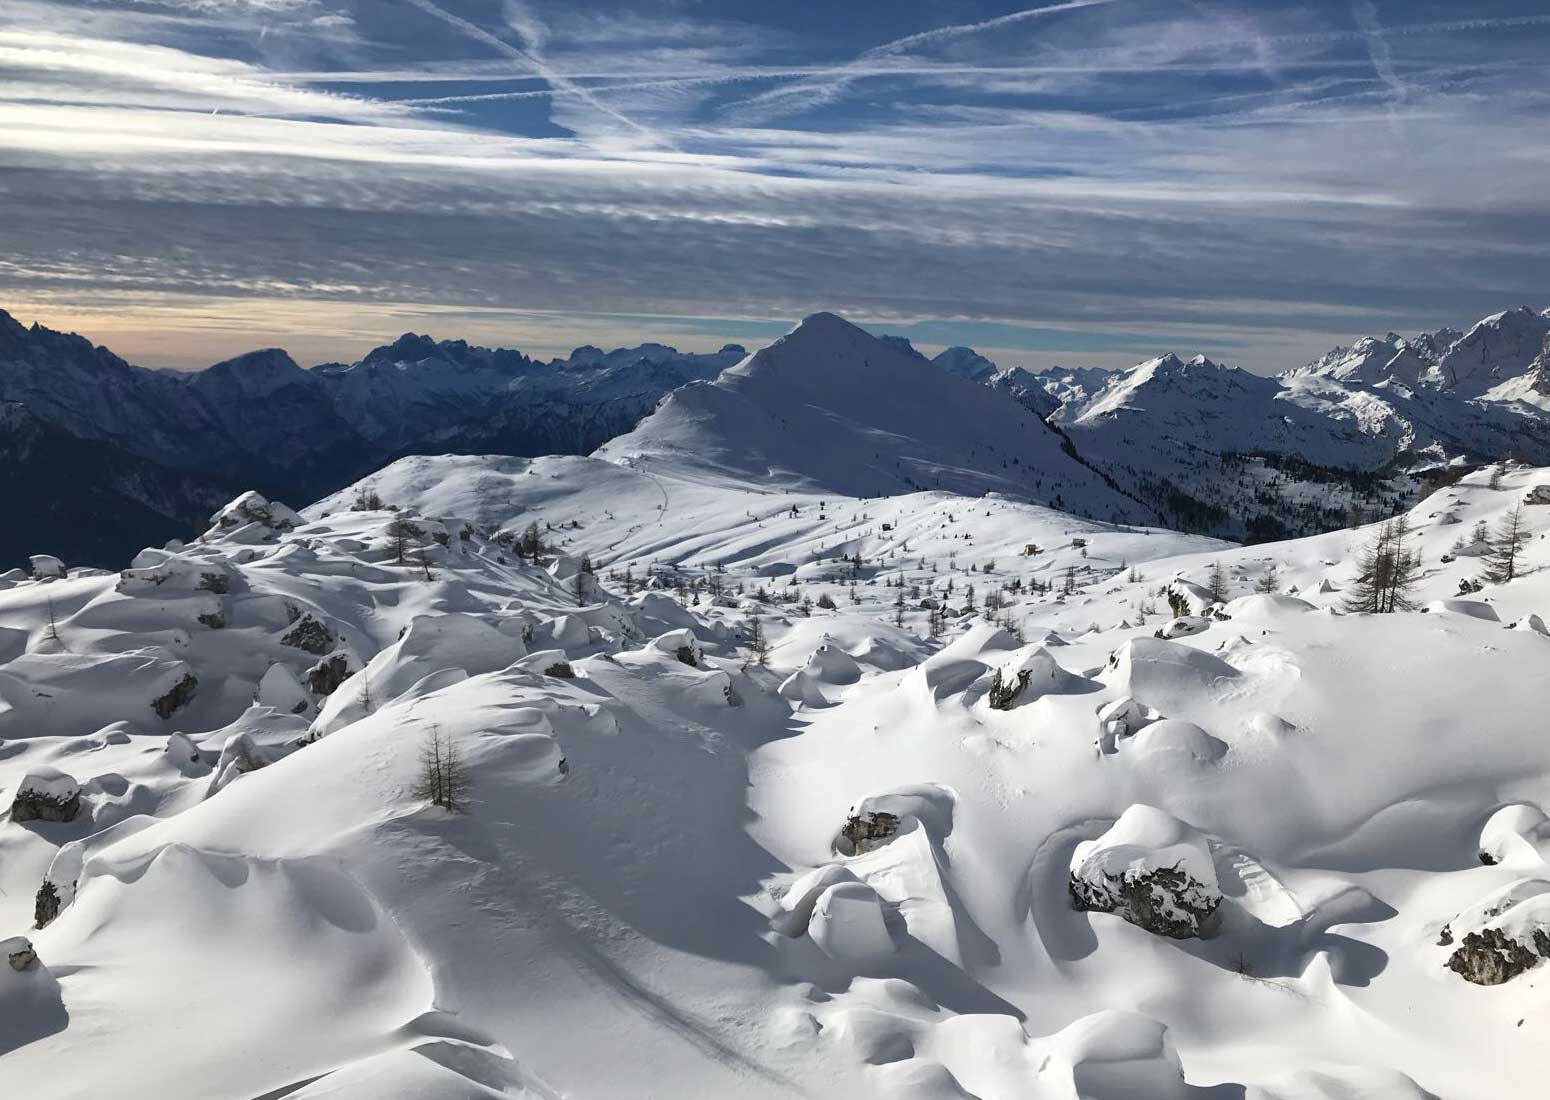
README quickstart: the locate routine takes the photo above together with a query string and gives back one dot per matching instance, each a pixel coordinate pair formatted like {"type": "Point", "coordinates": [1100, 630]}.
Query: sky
{"type": "Point", "coordinates": [1085, 183]}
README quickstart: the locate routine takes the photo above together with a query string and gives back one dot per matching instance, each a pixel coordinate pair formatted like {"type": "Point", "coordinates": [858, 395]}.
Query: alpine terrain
{"type": "Point", "coordinates": [842, 728]}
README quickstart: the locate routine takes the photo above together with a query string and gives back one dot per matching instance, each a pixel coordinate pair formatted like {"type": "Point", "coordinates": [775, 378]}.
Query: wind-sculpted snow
{"type": "Point", "coordinates": [744, 813]}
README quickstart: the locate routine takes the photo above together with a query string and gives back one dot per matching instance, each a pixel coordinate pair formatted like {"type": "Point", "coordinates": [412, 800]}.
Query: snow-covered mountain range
{"type": "Point", "coordinates": [1190, 444]}
{"type": "Point", "coordinates": [1217, 449]}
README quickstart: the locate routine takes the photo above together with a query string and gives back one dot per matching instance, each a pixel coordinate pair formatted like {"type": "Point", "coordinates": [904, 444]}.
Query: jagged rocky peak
{"type": "Point", "coordinates": [967, 363]}
{"type": "Point", "coordinates": [902, 343]}
{"type": "Point", "coordinates": [1498, 349]}
{"type": "Point", "coordinates": [411, 347]}
{"type": "Point", "coordinates": [417, 348]}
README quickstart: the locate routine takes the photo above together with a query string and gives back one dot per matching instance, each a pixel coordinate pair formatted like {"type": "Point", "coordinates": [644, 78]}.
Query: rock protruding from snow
{"type": "Point", "coordinates": [1033, 677]}
{"type": "Point", "coordinates": [46, 904]}
{"type": "Point", "coordinates": [1153, 870]}
{"type": "Point", "coordinates": [877, 819]}
{"type": "Point", "coordinates": [239, 756]}
{"type": "Point", "coordinates": [176, 696]}
{"type": "Point", "coordinates": [46, 567]}
{"type": "Point", "coordinates": [311, 634]}
{"type": "Point", "coordinates": [847, 925]}
{"type": "Point", "coordinates": [681, 645]}
{"type": "Point", "coordinates": [866, 830]}
{"type": "Point", "coordinates": [252, 518]}
{"type": "Point", "coordinates": [19, 951]}
{"type": "Point", "coordinates": [1183, 627]}
{"type": "Point", "coordinates": [324, 678]}
{"type": "Point", "coordinates": [46, 795]}
{"type": "Point", "coordinates": [1501, 936]}
{"type": "Point", "coordinates": [1516, 836]}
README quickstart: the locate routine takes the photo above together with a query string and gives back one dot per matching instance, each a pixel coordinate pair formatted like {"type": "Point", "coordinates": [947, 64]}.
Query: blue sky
{"type": "Point", "coordinates": [1085, 183]}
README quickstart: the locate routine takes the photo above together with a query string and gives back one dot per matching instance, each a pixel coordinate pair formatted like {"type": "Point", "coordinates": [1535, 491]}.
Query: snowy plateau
{"type": "Point", "coordinates": [846, 723]}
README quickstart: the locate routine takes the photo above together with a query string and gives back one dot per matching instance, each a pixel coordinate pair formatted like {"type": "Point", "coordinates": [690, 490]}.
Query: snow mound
{"type": "Point", "coordinates": [1030, 678]}
{"type": "Point", "coordinates": [1122, 718]}
{"type": "Point", "coordinates": [1184, 627]}
{"type": "Point", "coordinates": [1473, 609]}
{"type": "Point", "coordinates": [829, 664]}
{"type": "Point", "coordinates": [430, 644]}
{"type": "Point", "coordinates": [46, 567]}
{"type": "Point", "coordinates": [90, 690]}
{"type": "Point", "coordinates": [1533, 624]}
{"type": "Point", "coordinates": [847, 925]}
{"type": "Point", "coordinates": [1166, 675]}
{"type": "Point", "coordinates": [1266, 605]}
{"type": "Point", "coordinates": [1516, 836]}
{"type": "Point", "coordinates": [682, 646]}
{"type": "Point", "coordinates": [796, 905]}
{"type": "Point", "coordinates": [1173, 738]}
{"type": "Point", "coordinates": [1120, 1055]}
{"type": "Point", "coordinates": [1345, 1083]}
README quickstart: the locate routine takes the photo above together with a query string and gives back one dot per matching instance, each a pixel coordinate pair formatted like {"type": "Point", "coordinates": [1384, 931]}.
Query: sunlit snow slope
{"type": "Point", "coordinates": [852, 869]}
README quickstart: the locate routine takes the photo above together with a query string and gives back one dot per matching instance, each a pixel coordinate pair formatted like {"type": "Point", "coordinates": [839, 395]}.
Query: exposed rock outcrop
{"type": "Point", "coordinates": [1153, 870]}
{"type": "Point", "coordinates": [46, 795]}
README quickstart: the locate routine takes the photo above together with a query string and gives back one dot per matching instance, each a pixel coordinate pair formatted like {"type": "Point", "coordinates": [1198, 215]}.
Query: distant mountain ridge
{"type": "Point", "coordinates": [1191, 444]}
{"type": "Point", "coordinates": [262, 420]}
{"type": "Point", "coordinates": [1217, 449]}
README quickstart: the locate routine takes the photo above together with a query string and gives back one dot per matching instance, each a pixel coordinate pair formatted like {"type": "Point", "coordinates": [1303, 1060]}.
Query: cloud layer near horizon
{"type": "Point", "coordinates": [1083, 182]}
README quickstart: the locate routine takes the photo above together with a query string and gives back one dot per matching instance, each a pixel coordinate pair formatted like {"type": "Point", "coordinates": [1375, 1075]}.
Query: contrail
{"type": "Point", "coordinates": [1366, 13]}
{"type": "Point", "coordinates": [479, 34]}
{"type": "Point", "coordinates": [957, 30]}
{"type": "Point", "coordinates": [846, 73]}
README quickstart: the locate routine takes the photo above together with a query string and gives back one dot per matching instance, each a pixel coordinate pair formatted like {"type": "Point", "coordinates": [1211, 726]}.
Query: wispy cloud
{"type": "Point", "coordinates": [1247, 176]}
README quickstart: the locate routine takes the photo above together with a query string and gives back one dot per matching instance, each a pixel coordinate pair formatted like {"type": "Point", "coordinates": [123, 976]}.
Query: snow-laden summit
{"type": "Point", "coordinates": [966, 363]}
{"type": "Point", "coordinates": [831, 407]}
{"type": "Point", "coordinates": [1484, 363]}
{"type": "Point", "coordinates": [1217, 449]}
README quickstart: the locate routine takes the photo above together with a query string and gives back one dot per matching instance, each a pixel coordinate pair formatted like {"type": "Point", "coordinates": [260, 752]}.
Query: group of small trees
{"type": "Point", "coordinates": [758, 643]}
{"type": "Point", "coordinates": [1506, 548]}
{"type": "Point", "coordinates": [443, 777]}
{"type": "Point", "coordinates": [1386, 571]}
